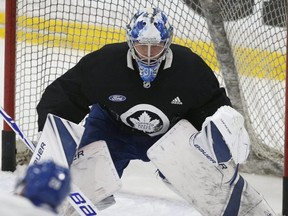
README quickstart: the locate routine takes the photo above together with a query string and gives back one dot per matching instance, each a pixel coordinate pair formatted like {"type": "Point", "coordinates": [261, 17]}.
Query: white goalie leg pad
{"type": "Point", "coordinates": [94, 173]}
{"type": "Point", "coordinates": [212, 188]}
{"type": "Point", "coordinates": [58, 142]}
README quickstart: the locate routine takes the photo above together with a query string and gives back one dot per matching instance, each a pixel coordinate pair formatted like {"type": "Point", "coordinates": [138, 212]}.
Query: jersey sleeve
{"type": "Point", "coordinates": [209, 95]}
{"type": "Point", "coordinates": [65, 97]}
{"type": "Point", "coordinates": [198, 115]}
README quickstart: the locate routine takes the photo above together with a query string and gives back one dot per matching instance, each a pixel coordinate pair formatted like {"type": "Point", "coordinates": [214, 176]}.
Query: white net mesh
{"type": "Point", "coordinates": [258, 42]}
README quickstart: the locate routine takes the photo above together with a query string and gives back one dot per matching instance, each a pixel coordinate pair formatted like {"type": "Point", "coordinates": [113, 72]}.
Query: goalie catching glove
{"type": "Point", "coordinates": [223, 136]}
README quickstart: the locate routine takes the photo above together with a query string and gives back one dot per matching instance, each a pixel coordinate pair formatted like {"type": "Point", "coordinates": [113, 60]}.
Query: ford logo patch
{"type": "Point", "coordinates": [117, 98]}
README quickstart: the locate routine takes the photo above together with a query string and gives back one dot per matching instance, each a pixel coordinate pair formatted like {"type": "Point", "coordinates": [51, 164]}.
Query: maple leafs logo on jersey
{"type": "Point", "coordinates": [145, 123]}
{"type": "Point", "coordinates": [146, 118]}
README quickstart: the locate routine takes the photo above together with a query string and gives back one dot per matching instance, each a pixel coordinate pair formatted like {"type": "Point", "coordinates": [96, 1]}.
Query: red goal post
{"type": "Point", "coordinates": [8, 136]}
{"type": "Point", "coordinates": [49, 37]}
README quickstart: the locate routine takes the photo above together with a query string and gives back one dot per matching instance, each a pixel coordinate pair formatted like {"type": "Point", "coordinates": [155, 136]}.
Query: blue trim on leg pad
{"type": "Point", "coordinates": [68, 143]}
{"type": "Point", "coordinates": [233, 206]}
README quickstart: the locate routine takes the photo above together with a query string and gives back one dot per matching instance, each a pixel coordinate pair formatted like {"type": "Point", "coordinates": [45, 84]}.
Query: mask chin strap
{"type": "Point", "coordinates": [148, 73]}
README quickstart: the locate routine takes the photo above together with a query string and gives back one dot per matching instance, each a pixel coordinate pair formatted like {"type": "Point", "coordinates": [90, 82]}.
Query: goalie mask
{"type": "Point", "coordinates": [149, 36]}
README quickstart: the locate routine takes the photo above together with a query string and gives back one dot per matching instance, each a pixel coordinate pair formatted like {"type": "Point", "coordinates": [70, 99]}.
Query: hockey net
{"type": "Point", "coordinates": [53, 35]}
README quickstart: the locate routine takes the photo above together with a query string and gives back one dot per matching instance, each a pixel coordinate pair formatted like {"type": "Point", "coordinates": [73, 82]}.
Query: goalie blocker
{"type": "Point", "coordinates": [200, 166]}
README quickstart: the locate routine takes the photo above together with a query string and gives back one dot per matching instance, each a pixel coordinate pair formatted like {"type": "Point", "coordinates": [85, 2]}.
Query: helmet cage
{"type": "Point", "coordinates": [154, 53]}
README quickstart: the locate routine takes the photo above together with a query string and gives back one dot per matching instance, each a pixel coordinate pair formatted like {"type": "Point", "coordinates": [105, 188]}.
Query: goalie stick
{"type": "Point", "coordinates": [76, 198]}
{"type": "Point", "coordinates": [16, 129]}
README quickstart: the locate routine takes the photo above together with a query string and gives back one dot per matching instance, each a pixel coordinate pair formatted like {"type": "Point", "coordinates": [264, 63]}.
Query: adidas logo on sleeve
{"type": "Point", "coordinates": [176, 101]}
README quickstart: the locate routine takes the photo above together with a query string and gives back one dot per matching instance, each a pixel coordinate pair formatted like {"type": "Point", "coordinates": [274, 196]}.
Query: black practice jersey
{"type": "Point", "coordinates": [185, 87]}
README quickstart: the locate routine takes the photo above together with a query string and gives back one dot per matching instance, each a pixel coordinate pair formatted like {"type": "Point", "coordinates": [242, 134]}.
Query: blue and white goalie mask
{"type": "Point", "coordinates": [149, 36]}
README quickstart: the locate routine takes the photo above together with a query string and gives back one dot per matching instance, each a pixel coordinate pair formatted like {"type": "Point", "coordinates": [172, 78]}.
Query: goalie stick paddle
{"type": "Point", "coordinates": [76, 198]}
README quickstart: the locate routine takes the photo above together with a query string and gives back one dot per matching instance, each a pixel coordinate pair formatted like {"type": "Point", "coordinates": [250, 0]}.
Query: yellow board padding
{"type": "Point", "coordinates": [2, 23]}
{"type": "Point", "coordinates": [83, 36]}
{"type": "Point", "coordinates": [260, 63]}
{"type": "Point", "coordinates": [2, 32]}
{"type": "Point", "coordinates": [2, 18]}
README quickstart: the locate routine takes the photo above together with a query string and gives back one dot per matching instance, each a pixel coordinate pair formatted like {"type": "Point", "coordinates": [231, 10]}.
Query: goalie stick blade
{"type": "Point", "coordinates": [81, 203]}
